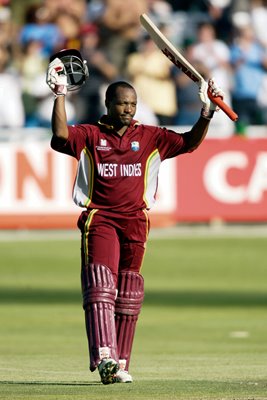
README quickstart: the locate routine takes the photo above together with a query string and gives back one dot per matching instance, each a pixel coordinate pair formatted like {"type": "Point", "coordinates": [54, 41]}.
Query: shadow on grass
{"type": "Point", "coordinates": [43, 383]}
{"type": "Point", "coordinates": [169, 298]}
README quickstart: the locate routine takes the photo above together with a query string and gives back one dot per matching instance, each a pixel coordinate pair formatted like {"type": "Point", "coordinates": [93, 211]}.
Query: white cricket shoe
{"type": "Point", "coordinates": [123, 377]}
{"type": "Point", "coordinates": [108, 368]}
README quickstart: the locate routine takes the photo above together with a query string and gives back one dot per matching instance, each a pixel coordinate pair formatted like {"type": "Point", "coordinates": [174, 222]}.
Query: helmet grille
{"type": "Point", "coordinates": [76, 71]}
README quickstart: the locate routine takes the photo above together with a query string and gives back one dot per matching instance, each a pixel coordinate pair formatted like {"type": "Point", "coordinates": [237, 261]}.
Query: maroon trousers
{"type": "Point", "coordinates": [117, 241]}
{"type": "Point", "coordinates": [112, 252]}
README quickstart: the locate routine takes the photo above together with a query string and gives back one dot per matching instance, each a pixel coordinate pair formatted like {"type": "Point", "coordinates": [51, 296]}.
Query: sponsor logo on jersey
{"type": "Point", "coordinates": [103, 145]}
{"type": "Point", "coordinates": [135, 146]}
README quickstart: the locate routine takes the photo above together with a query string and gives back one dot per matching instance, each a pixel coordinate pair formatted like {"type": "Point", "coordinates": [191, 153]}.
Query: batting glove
{"type": "Point", "coordinates": [208, 107]}
{"type": "Point", "coordinates": [56, 78]}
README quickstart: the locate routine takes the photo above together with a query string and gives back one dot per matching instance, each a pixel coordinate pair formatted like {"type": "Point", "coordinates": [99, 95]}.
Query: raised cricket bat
{"type": "Point", "coordinates": [180, 62]}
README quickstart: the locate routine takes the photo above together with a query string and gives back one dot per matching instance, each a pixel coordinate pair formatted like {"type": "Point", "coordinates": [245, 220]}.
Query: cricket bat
{"type": "Point", "coordinates": [180, 62]}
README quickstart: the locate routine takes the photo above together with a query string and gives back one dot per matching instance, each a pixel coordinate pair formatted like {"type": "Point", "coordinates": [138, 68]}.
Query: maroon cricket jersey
{"type": "Point", "coordinates": [118, 173]}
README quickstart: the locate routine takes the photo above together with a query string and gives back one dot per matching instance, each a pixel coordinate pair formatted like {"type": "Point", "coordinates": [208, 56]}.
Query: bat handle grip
{"type": "Point", "coordinates": [223, 106]}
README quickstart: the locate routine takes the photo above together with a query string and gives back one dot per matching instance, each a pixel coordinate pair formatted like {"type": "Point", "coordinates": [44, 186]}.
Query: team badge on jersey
{"type": "Point", "coordinates": [135, 146]}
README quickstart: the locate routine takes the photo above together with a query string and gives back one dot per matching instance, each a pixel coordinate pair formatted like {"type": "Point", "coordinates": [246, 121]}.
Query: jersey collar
{"type": "Point", "coordinates": [104, 122]}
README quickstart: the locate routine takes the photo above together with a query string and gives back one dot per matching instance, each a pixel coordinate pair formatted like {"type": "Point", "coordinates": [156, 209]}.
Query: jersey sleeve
{"type": "Point", "coordinates": [170, 143]}
{"type": "Point", "coordinates": [75, 143]}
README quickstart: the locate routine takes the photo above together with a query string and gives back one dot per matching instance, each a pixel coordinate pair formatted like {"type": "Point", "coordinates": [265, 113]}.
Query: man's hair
{"type": "Point", "coordinates": [112, 88]}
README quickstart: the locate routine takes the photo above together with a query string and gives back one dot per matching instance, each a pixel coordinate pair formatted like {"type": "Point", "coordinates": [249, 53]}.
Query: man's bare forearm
{"type": "Point", "coordinates": [59, 119]}
{"type": "Point", "coordinates": [197, 134]}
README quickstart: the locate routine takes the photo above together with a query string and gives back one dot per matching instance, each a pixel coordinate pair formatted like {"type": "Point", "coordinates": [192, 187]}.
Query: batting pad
{"type": "Point", "coordinates": [127, 309]}
{"type": "Point", "coordinates": [99, 305]}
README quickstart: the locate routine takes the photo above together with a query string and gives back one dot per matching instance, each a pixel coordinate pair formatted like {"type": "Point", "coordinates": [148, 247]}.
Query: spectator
{"type": "Point", "coordinates": [159, 10]}
{"type": "Point", "coordinates": [95, 10]}
{"type": "Point", "coordinates": [77, 8]}
{"type": "Point", "coordinates": [69, 26]}
{"type": "Point", "coordinates": [220, 15]}
{"type": "Point", "coordinates": [249, 61]}
{"type": "Point", "coordinates": [5, 26]}
{"type": "Point", "coordinates": [214, 54]}
{"type": "Point", "coordinates": [11, 106]}
{"type": "Point", "coordinates": [102, 71]}
{"type": "Point", "coordinates": [148, 68]}
{"type": "Point", "coordinates": [38, 27]}
{"type": "Point", "coordinates": [119, 24]}
{"type": "Point", "coordinates": [33, 69]}
{"type": "Point", "coordinates": [258, 12]}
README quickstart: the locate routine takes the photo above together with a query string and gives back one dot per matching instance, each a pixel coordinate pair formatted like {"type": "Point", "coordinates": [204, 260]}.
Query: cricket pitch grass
{"type": "Point", "coordinates": [202, 332]}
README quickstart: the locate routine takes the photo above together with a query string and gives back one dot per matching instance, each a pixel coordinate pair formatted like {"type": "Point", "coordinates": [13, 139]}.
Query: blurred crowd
{"type": "Point", "coordinates": [224, 39]}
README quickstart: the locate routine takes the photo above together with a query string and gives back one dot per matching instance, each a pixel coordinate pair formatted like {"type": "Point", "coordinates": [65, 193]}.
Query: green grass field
{"type": "Point", "coordinates": [202, 333]}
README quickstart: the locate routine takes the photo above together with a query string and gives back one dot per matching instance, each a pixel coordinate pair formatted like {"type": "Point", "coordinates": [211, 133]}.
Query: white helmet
{"type": "Point", "coordinates": [75, 68]}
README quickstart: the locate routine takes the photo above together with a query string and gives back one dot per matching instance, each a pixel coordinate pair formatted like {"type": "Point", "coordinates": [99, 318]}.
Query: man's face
{"type": "Point", "coordinates": [122, 108]}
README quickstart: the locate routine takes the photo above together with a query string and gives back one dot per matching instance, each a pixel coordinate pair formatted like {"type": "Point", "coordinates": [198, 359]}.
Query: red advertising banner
{"type": "Point", "coordinates": [224, 179]}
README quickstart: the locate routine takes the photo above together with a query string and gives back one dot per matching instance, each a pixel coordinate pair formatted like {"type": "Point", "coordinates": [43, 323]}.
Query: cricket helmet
{"type": "Point", "coordinates": [75, 68]}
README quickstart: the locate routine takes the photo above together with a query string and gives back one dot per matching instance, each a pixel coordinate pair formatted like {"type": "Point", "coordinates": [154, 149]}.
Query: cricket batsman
{"type": "Point", "coordinates": [116, 182]}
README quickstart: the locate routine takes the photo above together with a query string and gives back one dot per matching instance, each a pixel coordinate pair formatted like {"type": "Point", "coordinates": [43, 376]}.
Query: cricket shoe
{"type": "Point", "coordinates": [108, 369]}
{"type": "Point", "coordinates": [123, 377]}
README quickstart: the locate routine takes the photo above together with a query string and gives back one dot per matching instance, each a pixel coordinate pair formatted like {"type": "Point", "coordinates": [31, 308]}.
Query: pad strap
{"type": "Point", "coordinates": [127, 308]}
{"type": "Point", "coordinates": [99, 294]}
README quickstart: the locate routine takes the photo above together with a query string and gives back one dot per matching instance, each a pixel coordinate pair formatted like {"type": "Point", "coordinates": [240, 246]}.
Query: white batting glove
{"type": "Point", "coordinates": [56, 79]}
{"type": "Point", "coordinates": [208, 107]}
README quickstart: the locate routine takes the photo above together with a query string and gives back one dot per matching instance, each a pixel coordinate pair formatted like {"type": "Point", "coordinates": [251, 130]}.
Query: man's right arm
{"type": "Point", "coordinates": [59, 119]}
{"type": "Point", "coordinates": [57, 81]}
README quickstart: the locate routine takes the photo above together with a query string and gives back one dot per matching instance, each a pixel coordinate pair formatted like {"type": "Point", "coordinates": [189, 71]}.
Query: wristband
{"type": "Point", "coordinates": [207, 114]}
{"type": "Point", "coordinates": [56, 95]}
